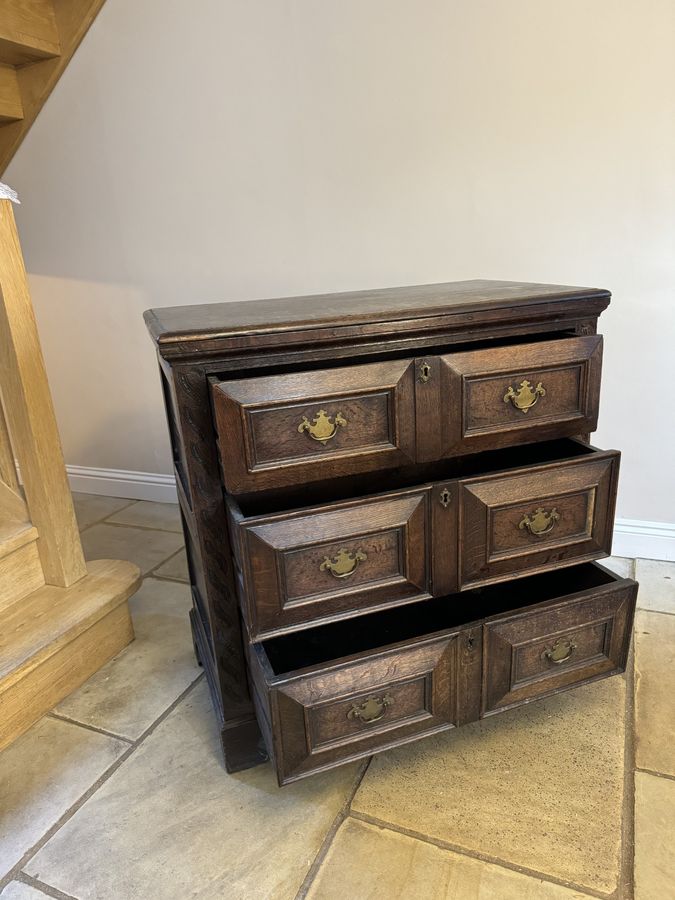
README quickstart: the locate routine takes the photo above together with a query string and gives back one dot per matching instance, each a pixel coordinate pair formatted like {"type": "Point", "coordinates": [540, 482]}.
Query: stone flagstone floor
{"type": "Point", "coordinates": [120, 793]}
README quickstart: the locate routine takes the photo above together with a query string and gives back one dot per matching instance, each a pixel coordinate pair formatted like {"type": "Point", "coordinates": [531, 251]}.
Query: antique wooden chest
{"type": "Point", "coordinates": [391, 510]}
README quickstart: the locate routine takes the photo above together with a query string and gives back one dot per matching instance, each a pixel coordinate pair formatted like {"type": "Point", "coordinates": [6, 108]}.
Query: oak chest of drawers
{"type": "Point", "coordinates": [391, 510]}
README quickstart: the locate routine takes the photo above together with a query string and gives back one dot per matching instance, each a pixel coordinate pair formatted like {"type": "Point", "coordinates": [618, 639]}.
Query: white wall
{"type": "Point", "coordinates": [228, 150]}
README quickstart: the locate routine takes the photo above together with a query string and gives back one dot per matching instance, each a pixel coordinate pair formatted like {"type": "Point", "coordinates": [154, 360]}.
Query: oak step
{"type": "Point", "coordinates": [28, 31]}
{"type": "Point", "coordinates": [11, 107]}
{"type": "Point", "coordinates": [20, 569]}
{"type": "Point", "coordinates": [56, 638]}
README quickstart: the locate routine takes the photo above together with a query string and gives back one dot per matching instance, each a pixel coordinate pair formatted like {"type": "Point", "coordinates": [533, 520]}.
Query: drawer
{"type": "Point", "coordinates": [305, 566]}
{"type": "Point", "coordinates": [280, 430]}
{"type": "Point", "coordinates": [535, 508]}
{"type": "Point", "coordinates": [535, 653]}
{"type": "Point", "coordinates": [515, 394]}
{"type": "Point", "coordinates": [328, 714]}
{"type": "Point", "coordinates": [336, 693]}
{"type": "Point", "coordinates": [524, 521]}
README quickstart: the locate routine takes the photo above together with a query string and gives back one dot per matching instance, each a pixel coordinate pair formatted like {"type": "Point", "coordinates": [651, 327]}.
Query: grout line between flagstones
{"type": "Point", "coordinates": [654, 773]}
{"type": "Point", "coordinates": [660, 612]}
{"type": "Point", "coordinates": [98, 521]}
{"type": "Point", "coordinates": [47, 889]}
{"type": "Point", "coordinates": [329, 837]}
{"type": "Point", "coordinates": [135, 525]}
{"type": "Point", "coordinates": [481, 857]}
{"type": "Point", "coordinates": [111, 734]}
{"type": "Point", "coordinates": [91, 790]}
{"type": "Point", "coordinates": [152, 572]}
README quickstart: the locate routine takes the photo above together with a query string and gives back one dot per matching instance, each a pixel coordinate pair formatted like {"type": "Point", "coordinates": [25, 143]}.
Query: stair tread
{"type": "Point", "coordinates": [33, 629]}
{"type": "Point", "coordinates": [14, 535]}
{"type": "Point", "coordinates": [28, 31]}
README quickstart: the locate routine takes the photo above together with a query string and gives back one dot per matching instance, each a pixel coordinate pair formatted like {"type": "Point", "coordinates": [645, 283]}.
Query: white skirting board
{"type": "Point", "coordinates": [123, 483]}
{"type": "Point", "coordinates": [632, 537]}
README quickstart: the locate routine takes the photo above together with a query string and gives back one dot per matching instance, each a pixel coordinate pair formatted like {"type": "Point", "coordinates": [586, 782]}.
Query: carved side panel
{"type": "Point", "coordinates": [211, 556]}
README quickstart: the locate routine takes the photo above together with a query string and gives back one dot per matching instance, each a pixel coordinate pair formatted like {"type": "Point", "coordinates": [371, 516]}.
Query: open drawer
{"type": "Point", "coordinates": [279, 430]}
{"type": "Point", "coordinates": [338, 692]}
{"type": "Point", "coordinates": [530, 509]}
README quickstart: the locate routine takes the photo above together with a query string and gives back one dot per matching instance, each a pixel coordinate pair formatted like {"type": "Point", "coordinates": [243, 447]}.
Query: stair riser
{"type": "Point", "coordinates": [48, 684]}
{"type": "Point", "coordinates": [20, 574]}
{"type": "Point", "coordinates": [11, 107]}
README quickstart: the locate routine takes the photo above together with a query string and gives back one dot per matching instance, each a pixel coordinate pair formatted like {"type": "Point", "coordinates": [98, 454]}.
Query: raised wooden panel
{"type": "Point", "coordinates": [328, 716]}
{"type": "Point", "coordinates": [526, 522]}
{"type": "Point", "coordinates": [330, 563]}
{"type": "Point", "coordinates": [486, 394]}
{"type": "Point", "coordinates": [533, 653]}
{"type": "Point", "coordinates": [277, 430]}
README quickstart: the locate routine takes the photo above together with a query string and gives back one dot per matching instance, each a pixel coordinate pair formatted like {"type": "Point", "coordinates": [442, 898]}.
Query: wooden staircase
{"type": "Point", "coordinates": [60, 618]}
{"type": "Point", "coordinates": [37, 40]}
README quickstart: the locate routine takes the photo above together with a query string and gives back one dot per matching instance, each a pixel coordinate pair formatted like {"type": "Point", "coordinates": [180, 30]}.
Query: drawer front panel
{"type": "Point", "coordinates": [521, 393]}
{"type": "Point", "coordinates": [532, 654]}
{"type": "Point", "coordinates": [357, 708]}
{"type": "Point", "coordinates": [304, 568]}
{"type": "Point", "coordinates": [534, 521]}
{"type": "Point", "coordinates": [278, 430]}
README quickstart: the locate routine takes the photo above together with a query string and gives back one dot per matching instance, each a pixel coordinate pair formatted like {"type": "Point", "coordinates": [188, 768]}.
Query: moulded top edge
{"type": "Point", "coordinates": [357, 309]}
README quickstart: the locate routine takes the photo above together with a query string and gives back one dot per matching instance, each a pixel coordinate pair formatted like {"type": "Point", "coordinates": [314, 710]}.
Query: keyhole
{"type": "Point", "coordinates": [445, 497]}
{"type": "Point", "coordinates": [425, 372]}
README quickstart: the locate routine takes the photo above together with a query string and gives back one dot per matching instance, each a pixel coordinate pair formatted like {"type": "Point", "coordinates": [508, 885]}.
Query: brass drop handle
{"type": "Point", "coordinates": [560, 652]}
{"type": "Point", "coordinates": [323, 427]}
{"type": "Point", "coordinates": [540, 522]}
{"type": "Point", "coordinates": [525, 396]}
{"type": "Point", "coordinates": [371, 710]}
{"type": "Point", "coordinates": [343, 564]}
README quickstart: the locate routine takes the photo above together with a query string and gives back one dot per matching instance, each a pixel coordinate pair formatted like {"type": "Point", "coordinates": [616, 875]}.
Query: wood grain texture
{"type": "Point", "coordinates": [54, 639]}
{"type": "Point", "coordinates": [8, 473]}
{"type": "Point", "coordinates": [258, 421]}
{"type": "Point", "coordinates": [474, 385]}
{"type": "Point", "coordinates": [30, 416]}
{"type": "Point", "coordinates": [436, 681]}
{"type": "Point", "coordinates": [582, 491]}
{"type": "Point", "coordinates": [28, 31]}
{"type": "Point", "coordinates": [386, 314]}
{"type": "Point", "coordinates": [40, 38]}
{"type": "Point", "coordinates": [300, 355]}
{"type": "Point", "coordinates": [310, 713]}
{"type": "Point", "coordinates": [20, 569]}
{"type": "Point", "coordinates": [598, 628]}
{"type": "Point", "coordinates": [11, 107]}
{"type": "Point", "coordinates": [284, 585]}
{"type": "Point", "coordinates": [25, 703]}
{"type": "Point", "coordinates": [210, 560]}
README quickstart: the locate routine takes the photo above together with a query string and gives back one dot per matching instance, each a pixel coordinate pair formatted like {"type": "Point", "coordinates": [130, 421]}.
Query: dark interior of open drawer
{"type": "Point", "coordinates": [409, 476]}
{"type": "Point", "coordinates": [327, 642]}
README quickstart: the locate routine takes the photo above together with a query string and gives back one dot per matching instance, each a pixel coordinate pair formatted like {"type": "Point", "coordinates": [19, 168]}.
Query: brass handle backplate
{"type": "Point", "coordinates": [371, 710]}
{"type": "Point", "coordinates": [560, 652]}
{"type": "Point", "coordinates": [343, 564]}
{"type": "Point", "coordinates": [540, 522]}
{"type": "Point", "coordinates": [525, 396]}
{"type": "Point", "coordinates": [321, 428]}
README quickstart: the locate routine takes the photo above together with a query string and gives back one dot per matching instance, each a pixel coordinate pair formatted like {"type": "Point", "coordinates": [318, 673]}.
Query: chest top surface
{"type": "Point", "coordinates": [212, 327]}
